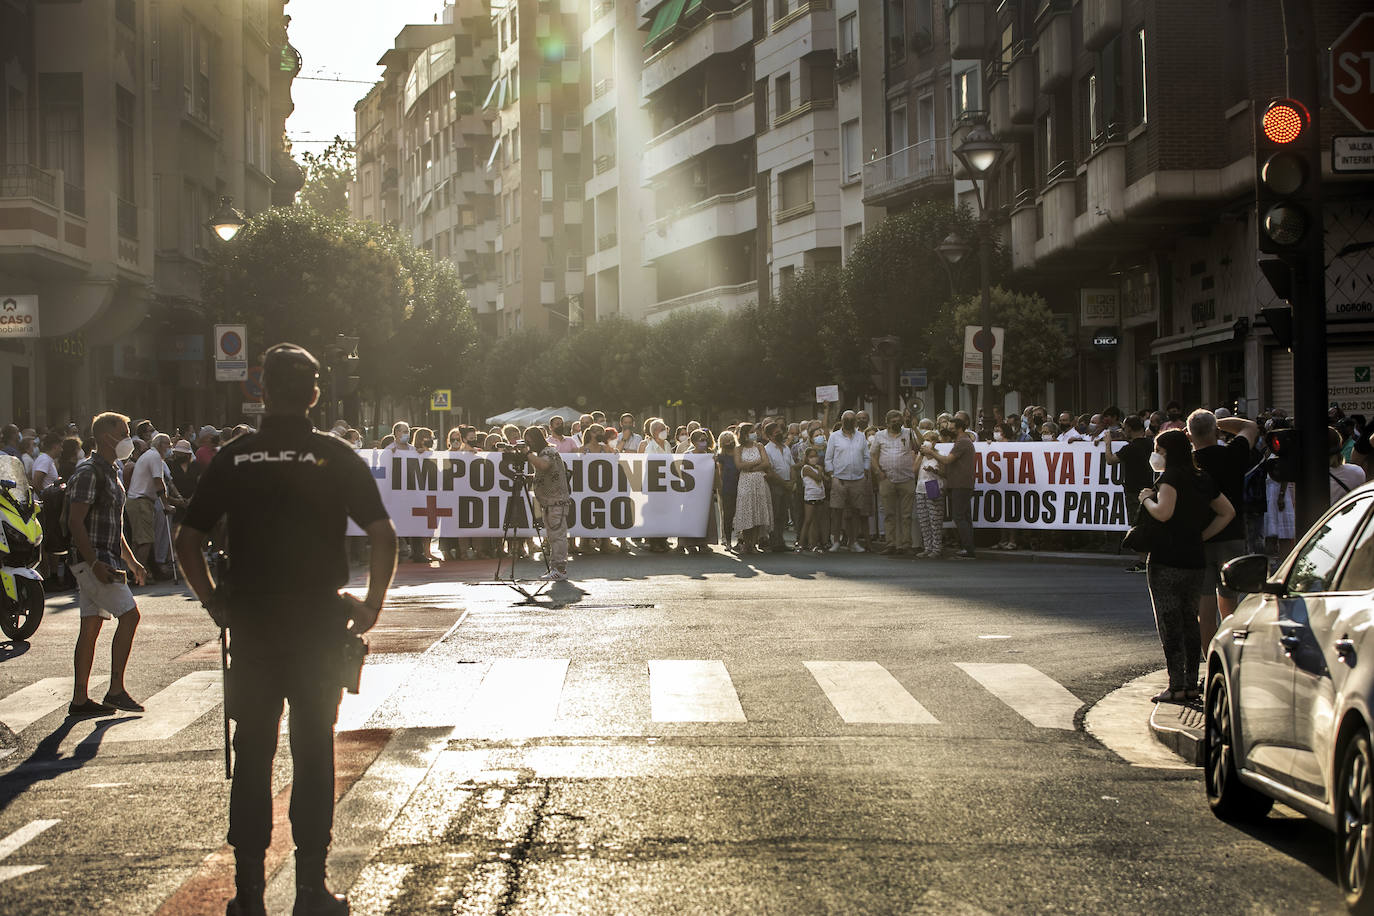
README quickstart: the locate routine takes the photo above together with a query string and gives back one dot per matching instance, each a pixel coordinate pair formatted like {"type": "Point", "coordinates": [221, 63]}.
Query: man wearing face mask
{"type": "Point", "coordinates": [847, 461]}
{"type": "Point", "coordinates": [779, 482]}
{"type": "Point", "coordinates": [1136, 459]}
{"type": "Point", "coordinates": [565, 444]}
{"type": "Point", "coordinates": [103, 563]}
{"type": "Point", "coordinates": [894, 462]}
{"type": "Point", "coordinates": [630, 438]}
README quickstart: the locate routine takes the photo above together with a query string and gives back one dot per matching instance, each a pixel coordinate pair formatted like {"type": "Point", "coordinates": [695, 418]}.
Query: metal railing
{"type": "Point", "coordinates": [604, 163]}
{"type": "Point", "coordinates": [923, 160]}
{"type": "Point", "coordinates": [605, 241]}
{"type": "Point", "coordinates": [603, 86]}
{"type": "Point", "coordinates": [847, 65]}
{"type": "Point", "coordinates": [23, 180]}
{"type": "Point", "coordinates": [699, 117]}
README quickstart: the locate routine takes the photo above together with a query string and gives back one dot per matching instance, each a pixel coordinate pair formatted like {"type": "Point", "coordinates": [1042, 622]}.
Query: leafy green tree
{"type": "Point", "coordinates": [327, 175]}
{"type": "Point", "coordinates": [895, 282]}
{"type": "Point", "coordinates": [811, 337]}
{"type": "Point", "coordinates": [295, 274]}
{"type": "Point", "coordinates": [729, 367]}
{"type": "Point", "coordinates": [1034, 346]}
{"type": "Point", "coordinates": [669, 355]}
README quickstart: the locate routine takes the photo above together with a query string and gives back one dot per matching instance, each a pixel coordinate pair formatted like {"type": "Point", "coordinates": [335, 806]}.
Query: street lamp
{"type": "Point", "coordinates": [227, 221]}
{"type": "Point", "coordinates": [979, 153]}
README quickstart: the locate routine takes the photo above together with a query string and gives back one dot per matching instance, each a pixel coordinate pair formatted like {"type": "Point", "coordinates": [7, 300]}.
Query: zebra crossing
{"type": "Point", "coordinates": [510, 698]}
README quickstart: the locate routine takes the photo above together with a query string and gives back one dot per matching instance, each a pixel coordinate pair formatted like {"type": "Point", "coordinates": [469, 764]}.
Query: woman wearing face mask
{"type": "Point", "coordinates": [424, 448]}
{"type": "Point", "coordinates": [656, 443]}
{"type": "Point", "coordinates": [753, 500]}
{"type": "Point", "coordinates": [702, 445]}
{"type": "Point", "coordinates": [727, 485]}
{"type": "Point", "coordinates": [1175, 567]}
{"type": "Point", "coordinates": [930, 502]}
{"type": "Point", "coordinates": [682, 442]}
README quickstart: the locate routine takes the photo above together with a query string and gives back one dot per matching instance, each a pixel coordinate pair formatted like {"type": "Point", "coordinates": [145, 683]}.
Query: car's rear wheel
{"type": "Point", "coordinates": [1230, 799]}
{"type": "Point", "coordinates": [1355, 823]}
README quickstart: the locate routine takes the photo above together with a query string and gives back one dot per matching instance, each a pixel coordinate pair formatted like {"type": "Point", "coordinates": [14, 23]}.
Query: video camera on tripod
{"type": "Point", "coordinates": [514, 457]}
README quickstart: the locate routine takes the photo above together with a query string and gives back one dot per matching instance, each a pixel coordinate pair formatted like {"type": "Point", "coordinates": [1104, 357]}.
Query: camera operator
{"type": "Point", "coordinates": [288, 492]}
{"type": "Point", "coordinates": [551, 489]}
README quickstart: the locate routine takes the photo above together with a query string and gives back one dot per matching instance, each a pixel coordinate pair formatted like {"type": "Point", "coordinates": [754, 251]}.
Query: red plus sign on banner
{"type": "Point", "coordinates": [431, 512]}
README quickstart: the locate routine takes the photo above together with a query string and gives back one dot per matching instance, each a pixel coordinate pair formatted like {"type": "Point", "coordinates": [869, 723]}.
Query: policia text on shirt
{"type": "Point", "coordinates": [287, 514]}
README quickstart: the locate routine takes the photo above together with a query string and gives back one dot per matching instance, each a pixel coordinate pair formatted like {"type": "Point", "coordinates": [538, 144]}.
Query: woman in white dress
{"type": "Point", "coordinates": [753, 501]}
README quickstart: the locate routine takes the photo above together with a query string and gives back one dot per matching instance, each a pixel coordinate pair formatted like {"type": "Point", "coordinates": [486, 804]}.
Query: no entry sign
{"type": "Point", "coordinates": [1352, 72]}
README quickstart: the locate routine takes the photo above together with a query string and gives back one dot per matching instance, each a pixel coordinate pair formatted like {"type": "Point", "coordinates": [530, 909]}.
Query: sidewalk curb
{"type": "Point", "coordinates": [1120, 721]}
{"type": "Point", "coordinates": [1179, 727]}
{"type": "Point", "coordinates": [1120, 561]}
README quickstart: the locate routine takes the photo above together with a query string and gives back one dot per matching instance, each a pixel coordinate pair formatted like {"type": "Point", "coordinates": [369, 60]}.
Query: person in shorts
{"type": "Point", "coordinates": [851, 495]}
{"type": "Point", "coordinates": [102, 565]}
{"type": "Point", "coordinates": [1226, 465]}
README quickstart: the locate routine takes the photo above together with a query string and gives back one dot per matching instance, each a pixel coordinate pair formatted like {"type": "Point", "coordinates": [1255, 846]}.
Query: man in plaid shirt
{"type": "Point", "coordinates": [95, 496]}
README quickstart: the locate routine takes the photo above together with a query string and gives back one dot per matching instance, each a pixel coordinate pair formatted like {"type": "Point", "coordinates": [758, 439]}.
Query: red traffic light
{"type": "Point", "coordinates": [1284, 121]}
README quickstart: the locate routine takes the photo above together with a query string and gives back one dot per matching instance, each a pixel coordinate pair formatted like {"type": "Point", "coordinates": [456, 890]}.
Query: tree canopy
{"type": "Point", "coordinates": [1034, 347]}
{"type": "Point", "coordinates": [295, 274]}
{"type": "Point", "coordinates": [327, 174]}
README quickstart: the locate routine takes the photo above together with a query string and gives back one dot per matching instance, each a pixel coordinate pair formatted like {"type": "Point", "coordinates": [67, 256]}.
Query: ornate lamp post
{"type": "Point", "coordinates": [226, 221]}
{"type": "Point", "coordinates": [979, 153]}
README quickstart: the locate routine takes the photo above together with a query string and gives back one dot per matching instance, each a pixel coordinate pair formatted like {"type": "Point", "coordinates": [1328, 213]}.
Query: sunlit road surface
{"type": "Point", "coordinates": [850, 734]}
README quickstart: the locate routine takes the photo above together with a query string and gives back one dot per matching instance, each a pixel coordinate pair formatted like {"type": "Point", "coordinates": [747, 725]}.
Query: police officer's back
{"type": "Point", "coordinates": [287, 493]}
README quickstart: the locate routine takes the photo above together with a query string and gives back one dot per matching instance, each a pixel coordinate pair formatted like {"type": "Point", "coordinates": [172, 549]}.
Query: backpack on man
{"type": "Point", "coordinates": [56, 499]}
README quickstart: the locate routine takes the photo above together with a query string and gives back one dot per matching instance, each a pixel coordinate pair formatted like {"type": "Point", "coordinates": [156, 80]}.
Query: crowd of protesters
{"type": "Point", "coordinates": [822, 484]}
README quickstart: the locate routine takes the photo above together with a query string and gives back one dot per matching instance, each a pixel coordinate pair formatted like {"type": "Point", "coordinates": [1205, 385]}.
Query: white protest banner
{"type": "Point", "coordinates": [1046, 485]}
{"type": "Point", "coordinates": [466, 494]}
{"type": "Point", "coordinates": [827, 394]}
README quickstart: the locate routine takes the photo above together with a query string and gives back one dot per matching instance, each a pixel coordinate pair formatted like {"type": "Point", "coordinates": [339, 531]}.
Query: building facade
{"type": "Point", "coordinates": [1127, 193]}
{"type": "Point", "coordinates": [124, 125]}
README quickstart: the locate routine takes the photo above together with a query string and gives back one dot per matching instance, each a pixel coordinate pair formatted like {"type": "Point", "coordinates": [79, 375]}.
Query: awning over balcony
{"type": "Point", "coordinates": [665, 20]}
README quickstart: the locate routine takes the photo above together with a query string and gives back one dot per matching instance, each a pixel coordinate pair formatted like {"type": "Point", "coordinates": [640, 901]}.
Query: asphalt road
{"type": "Point", "coordinates": [848, 734]}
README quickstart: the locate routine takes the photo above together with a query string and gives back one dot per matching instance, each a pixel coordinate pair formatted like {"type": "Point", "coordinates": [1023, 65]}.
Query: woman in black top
{"type": "Point", "coordinates": [1191, 509]}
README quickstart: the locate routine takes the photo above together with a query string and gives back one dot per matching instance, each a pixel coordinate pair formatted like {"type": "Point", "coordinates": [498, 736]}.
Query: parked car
{"type": "Point", "coordinates": [1288, 686]}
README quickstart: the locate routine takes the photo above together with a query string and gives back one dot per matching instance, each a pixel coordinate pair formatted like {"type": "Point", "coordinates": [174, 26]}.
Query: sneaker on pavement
{"type": "Point", "coordinates": [123, 701]}
{"type": "Point", "coordinates": [88, 710]}
{"type": "Point", "coordinates": [835, 547]}
{"type": "Point", "coordinates": [966, 555]}
{"type": "Point", "coordinates": [554, 575]}
{"type": "Point", "coordinates": [856, 548]}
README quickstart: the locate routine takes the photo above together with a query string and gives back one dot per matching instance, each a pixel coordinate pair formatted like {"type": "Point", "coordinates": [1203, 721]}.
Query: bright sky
{"type": "Point", "coordinates": [341, 39]}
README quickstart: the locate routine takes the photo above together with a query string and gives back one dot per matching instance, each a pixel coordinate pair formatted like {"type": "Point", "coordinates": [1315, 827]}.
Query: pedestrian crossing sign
{"type": "Point", "coordinates": [441, 399]}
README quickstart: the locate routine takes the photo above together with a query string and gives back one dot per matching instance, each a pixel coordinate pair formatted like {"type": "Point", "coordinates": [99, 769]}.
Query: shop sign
{"type": "Point", "coordinates": [18, 316]}
{"type": "Point", "coordinates": [1099, 307]}
{"type": "Point", "coordinates": [73, 346]}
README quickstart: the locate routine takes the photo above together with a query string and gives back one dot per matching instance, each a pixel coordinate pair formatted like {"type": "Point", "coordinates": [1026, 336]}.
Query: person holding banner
{"type": "Point", "coordinates": [958, 466]}
{"type": "Point", "coordinates": [551, 489]}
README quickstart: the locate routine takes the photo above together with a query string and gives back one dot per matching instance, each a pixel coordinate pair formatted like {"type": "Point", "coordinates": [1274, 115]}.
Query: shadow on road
{"type": "Point", "coordinates": [1298, 838]}
{"type": "Point", "coordinates": [13, 649]}
{"type": "Point", "coordinates": [46, 762]}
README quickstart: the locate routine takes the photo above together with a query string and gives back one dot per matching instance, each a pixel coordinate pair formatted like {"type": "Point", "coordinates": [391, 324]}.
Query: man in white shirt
{"type": "Point", "coordinates": [847, 461]}
{"type": "Point", "coordinates": [779, 481]}
{"type": "Point", "coordinates": [894, 463]}
{"type": "Point", "coordinates": [147, 486]}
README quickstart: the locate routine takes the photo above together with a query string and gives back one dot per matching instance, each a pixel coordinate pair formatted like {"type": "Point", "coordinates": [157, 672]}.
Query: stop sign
{"type": "Point", "coordinates": [1352, 72]}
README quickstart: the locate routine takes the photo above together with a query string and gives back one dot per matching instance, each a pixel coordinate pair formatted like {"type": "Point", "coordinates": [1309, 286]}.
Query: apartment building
{"type": "Point", "coordinates": [1128, 192]}
{"type": "Point", "coordinates": [536, 95]}
{"type": "Point", "coordinates": [614, 132]}
{"type": "Point", "coordinates": [699, 168]}
{"type": "Point", "coordinates": [124, 123]}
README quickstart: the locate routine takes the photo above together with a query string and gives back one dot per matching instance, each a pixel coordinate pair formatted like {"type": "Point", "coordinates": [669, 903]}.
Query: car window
{"type": "Point", "coordinates": [1358, 574]}
{"type": "Point", "coordinates": [1315, 564]}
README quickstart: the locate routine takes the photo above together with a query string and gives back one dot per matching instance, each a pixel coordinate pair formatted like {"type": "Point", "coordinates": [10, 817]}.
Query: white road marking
{"type": "Point", "coordinates": [1036, 697]}
{"type": "Point", "coordinates": [378, 682]}
{"type": "Point", "coordinates": [517, 698]}
{"type": "Point", "coordinates": [27, 705]}
{"type": "Point", "coordinates": [173, 708]}
{"type": "Point", "coordinates": [11, 844]}
{"type": "Point", "coordinates": [867, 692]}
{"type": "Point", "coordinates": [682, 690]}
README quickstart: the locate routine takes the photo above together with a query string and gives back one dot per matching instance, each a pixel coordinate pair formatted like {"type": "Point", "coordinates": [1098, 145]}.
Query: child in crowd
{"type": "Point", "coordinates": [813, 494]}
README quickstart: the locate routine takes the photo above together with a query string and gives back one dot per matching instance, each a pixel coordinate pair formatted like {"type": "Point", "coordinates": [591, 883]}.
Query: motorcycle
{"type": "Point", "coordinates": [21, 539]}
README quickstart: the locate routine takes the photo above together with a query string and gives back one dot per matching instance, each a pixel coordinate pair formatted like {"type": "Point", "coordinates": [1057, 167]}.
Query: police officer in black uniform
{"type": "Point", "coordinates": [288, 492]}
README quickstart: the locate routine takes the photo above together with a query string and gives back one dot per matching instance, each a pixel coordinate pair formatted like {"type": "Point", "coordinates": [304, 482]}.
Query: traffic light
{"type": "Point", "coordinates": [1283, 454]}
{"type": "Point", "coordinates": [1286, 171]}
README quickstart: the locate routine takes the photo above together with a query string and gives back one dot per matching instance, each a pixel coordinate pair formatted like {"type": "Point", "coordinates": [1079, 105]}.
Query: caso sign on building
{"type": "Point", "coordinates": [18, 316]}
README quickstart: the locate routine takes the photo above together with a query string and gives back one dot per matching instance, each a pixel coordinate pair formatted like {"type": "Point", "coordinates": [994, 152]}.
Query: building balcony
{"type": "Point", "coordinates": [920, 167]}
{"type": "Point", "coordinates": [40, 230]}
{"type": "Point", "coordinates": [606, 240]}
{"type": "Point", "coordinates": [1025, 228]}
{"type": "Point", "coordinates": [725, 298]}
{"type": "Point", "coordinates": [1101, 22]}
{"type": "Point", "coordinates": [1106, 192]}
{"type": "Point", "coordinates": [720, 125]}
{"type": "Point", "coordinates": [721, 33]}
{"type": "Point", "coordinates": [722, 216]}
{"type": "Point", "coordinates": [1054, 52]}
{"type": "Point", "coordinates": [1021, 88]}
{"type": "Point", "coordinates": [847, 66]}
{"type": "Point", "coordinates": [1058, 207]}
{"type": "Point", "coordinates": [603, 86]}
{"type": "Point", "coordinates": [604, 163]}
{"type": "Point", "coordinates": [968, 34]}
